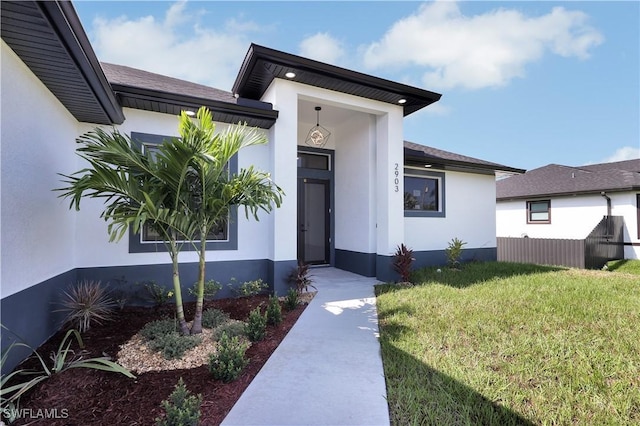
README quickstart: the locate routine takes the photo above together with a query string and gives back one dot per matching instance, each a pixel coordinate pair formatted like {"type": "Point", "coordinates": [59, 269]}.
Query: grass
{"type": "Point", "coordinates": [626, 266]}
{"type": "Point", "coordinates": [500, 344]}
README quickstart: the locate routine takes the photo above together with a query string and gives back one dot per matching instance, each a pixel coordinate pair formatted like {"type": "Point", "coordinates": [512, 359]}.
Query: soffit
{"type": "Point", "coordinates": [49, 39]}
{"type": "Point", "coordinates": [262, 65]}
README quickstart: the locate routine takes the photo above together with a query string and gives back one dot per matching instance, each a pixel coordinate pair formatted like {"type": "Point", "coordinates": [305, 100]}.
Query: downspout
{"type": "Point", "coordinates": [608, 202]}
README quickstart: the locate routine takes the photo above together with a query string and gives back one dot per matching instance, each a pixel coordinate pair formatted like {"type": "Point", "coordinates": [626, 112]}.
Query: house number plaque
{"type": "Point", "coordinates": [396, 179]}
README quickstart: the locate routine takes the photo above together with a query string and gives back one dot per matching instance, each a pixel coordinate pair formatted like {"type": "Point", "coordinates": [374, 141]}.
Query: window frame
{"type": "Point", "coordinates": [427, 174]}
{"type": "Point", "coordinates": [538, 222]}
{"type": "Point", "coordinates": [137, 245]}
{"type": "Point", "coordinates": [638, 213]}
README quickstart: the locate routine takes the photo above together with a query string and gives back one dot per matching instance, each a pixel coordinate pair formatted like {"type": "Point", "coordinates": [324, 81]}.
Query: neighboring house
{"type": "Point", "coordinates": [563, 202]}
{"type": "Point", "coordinates": [348, 204]}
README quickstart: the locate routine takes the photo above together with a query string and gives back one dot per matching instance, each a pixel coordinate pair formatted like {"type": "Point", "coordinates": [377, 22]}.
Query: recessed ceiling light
{"type": "Point", "coordinates": [402, 101]}
{"type": "Point", "coordinates": [427, 165]}
{"type": "Point", "coordinates": [290, 74]}
{"type": "Point", "coordinates": [190, 113]}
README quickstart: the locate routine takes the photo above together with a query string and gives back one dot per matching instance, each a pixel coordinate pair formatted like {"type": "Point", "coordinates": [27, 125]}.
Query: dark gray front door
{"type": "Point", "coordinates": [313, 221]}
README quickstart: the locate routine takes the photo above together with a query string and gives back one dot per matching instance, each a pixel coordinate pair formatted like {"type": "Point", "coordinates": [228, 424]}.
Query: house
{"type": "Point", "coordinates": [564, 202]}
{"type": "Point", "coordinates": [349, 203]}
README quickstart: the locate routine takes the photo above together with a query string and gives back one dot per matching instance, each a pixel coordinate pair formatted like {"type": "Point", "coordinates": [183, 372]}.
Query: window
{"type": "Point", "coordinates": [307, 160]}
{"type": "Point", "coordinates": [638, 207]}
{"type": "Point", "coordinates": [222, 238]}
{"type": "Point", "coordinates": [423, 193]}
{"type": "Point", "coordinates": [539, 211]}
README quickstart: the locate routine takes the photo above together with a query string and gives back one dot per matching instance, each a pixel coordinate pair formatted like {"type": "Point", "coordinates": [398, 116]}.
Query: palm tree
{"type": "Point", "coordinates": [214, 191]}
{"type": "Point", "coordinates": [183, 191]}
{"type": "Point", "coordinates": [132, 186]}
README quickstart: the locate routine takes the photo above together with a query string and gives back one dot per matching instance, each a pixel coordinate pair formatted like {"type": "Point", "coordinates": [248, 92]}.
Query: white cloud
{"type": "Point", "coordinates": [177, 45]}
{"type": "Point", "coordinates": [485, 50]}
{"type": "Point", "coordinates": [622, 154]}
{"type": "Point", "coordinates": [322, 47]}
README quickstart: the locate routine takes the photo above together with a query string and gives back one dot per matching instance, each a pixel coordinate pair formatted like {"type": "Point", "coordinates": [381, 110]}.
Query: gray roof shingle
{"type": "Point", "coordinates": [132, 77]}
{"type": "Point", "coordinates": [555, 179]}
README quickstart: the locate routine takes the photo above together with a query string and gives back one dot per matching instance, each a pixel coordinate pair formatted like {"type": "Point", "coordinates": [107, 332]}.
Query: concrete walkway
{"type": "Point", "coordinates": [328, 369]}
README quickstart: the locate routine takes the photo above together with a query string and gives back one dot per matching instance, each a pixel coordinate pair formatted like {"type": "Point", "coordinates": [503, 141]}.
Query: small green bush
{"type": "Point", "coordinates": [174, 345]}
{"type": "Point", "coordinates": [158, 328]}
{"type": "Point", "coordinates": [454, 252]}
{"type": "Point", "coordinates": [292, 299]}
{"type": "Point", "coordinates": [211, 287]}
{"type": "Point", "coordinates": [229, 361]}
{"type": "Point", "coordinates": [256, 326]}
{"type": "Point", "coordinates": [274, 312]}
{"type": "Point", "coordinates": [182, 408]}
{"type": "Point", "coordinates": [156, 293]}
{"type": "Point", "coordinates": [248, 288]}
{"type": "Point", "coordinates": [212, 318]}
{"type": "Point", "coordinates": [232, 328]}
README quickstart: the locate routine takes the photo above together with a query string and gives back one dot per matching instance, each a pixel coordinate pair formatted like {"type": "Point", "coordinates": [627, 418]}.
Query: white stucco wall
{"type": "Point", "coordinates": [355, 210]}
{"type": "Point", "coordinates": [92, 241]}
{"type": "Point", "coordinates": [37, 142]}
{"type": "Point", "coordinates": [470, 215]}
{"type": "Point", "coordinates": [572, 217]}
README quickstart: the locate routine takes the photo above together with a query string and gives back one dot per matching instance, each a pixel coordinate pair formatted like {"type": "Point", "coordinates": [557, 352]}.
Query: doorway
{"type": "Point", "coordinates": [315, 203]}
{"type": "Point", "coordinates": [313, 221]}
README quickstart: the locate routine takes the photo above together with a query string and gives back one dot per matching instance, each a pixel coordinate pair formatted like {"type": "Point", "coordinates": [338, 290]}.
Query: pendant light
{"type": "Point", "coordinates": [318, 136]}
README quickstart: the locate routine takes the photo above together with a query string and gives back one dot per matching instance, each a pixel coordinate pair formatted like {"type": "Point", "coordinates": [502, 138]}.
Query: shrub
{"type": "Point", "coordinates": [182, 408]}
{"type": "Point", "coordinates": [300, 277]}
{"type": "Point", "coordinates": [248, 288]}
{"type": "Point", "coordinates": [211, 287]}
{"type": "Point", "coordinates": [63, 359]}
{"type": "Point", "coordinates": [173, 345]}
{"type": "Point", "coordinates": [453, 252]}
{"type": "Point", "coordinates": [212, 318]}
{"type": "Point", "coordinates": [256, 325]}
{"type": "Point", "coordinates": [232, 328]}
{"type": "Point", "coordinates": [402, 260]}
{"type": "Point", "coordinates": [159, 328]}
{"type": "Point", "coordinates": [157, 293]}
{"type": "Point", "coordinates": [229, 361]}
{"type": "Point", "coordinates": [274, 312]}
{"type": "Point", "coordinates": [292, 299]}
{"type": "Point", "coordinates": [86, 303]}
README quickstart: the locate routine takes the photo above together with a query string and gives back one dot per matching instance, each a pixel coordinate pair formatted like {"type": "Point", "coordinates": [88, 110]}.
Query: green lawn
{"type": "Point", "coordinates": [626, 266]}
{"type": "Point", "coordinates": [499, 344]}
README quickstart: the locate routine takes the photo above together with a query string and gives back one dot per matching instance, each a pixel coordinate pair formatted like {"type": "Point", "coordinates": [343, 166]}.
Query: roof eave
{"type": "Point", "coordinates": [67, 24]}
{"type": "Point", "coordinates": [417, 98]}
{"type": "Point", "coordinates": [462, 164]}
{"type": "Point", "coordinates": [258, 117]}
{"type": "Point", "coordinates": [569, 194]}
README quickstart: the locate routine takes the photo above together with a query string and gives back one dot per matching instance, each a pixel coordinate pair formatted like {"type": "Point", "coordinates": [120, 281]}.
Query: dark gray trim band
{"type": "Point", "coordinates": [29, 316]}
{"type": "Point", "coordinates": [356, 262]}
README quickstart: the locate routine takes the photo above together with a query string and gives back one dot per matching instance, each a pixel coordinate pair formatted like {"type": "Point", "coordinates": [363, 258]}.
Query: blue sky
{"type": "Point", "coordinates": [524, 84]}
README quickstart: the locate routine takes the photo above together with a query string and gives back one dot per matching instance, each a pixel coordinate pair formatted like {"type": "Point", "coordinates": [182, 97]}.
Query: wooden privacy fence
{"type": "Point", "coordinates": [604, 243]}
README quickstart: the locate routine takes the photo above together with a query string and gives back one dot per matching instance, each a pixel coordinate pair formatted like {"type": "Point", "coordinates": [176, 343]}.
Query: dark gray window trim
{"type": "Point", "coordinates": [136, 246]}
{"type": "Point", "coordinates": [538, 222]}
{"type": "Point", "coordinates": [638, 213]}
{"type": "Point", "coordinates": [428, 174]}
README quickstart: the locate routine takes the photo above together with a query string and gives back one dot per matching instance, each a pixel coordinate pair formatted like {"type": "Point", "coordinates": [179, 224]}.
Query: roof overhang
{"type": "Point", "coordinates": [48, 37]}
{"type": "Point", "coordinates": [261, 65]}
{"type": "Point", "coordinates": [420, 159]}
{"type": "Point", "coordinates": [172, 103]}
{"type": "Point", "coordinates": [596, 192]}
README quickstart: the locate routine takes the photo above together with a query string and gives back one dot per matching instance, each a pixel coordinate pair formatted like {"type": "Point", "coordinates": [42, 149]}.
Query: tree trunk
{"type": "Point", "coordinates": [196, 328]}
{"type": "Point", "coordinates": [177, 290]}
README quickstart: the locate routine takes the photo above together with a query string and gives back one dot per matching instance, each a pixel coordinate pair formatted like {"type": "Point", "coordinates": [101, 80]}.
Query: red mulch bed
{"type": "Point", "coordinates": [93, 397]}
